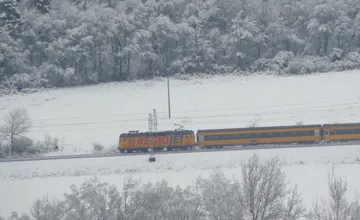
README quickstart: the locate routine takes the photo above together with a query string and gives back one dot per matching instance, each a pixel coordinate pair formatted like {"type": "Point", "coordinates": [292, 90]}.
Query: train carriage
{"type": "Point", "coordinates": [218, 138]}
{"type": "Point", "coordinates": [341, 132]}
{"type": "Point", "coordinates": [215, 138]}
{"type": "Point", "coordinates": [169, 140]}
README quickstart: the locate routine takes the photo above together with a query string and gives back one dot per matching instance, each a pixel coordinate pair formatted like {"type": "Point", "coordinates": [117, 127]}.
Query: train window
{"type": "Point", "coordinates": [317, 133]}
{"type": "Point", "coordinates": [357, 131]}
{"type": "Point", "coordinates": [201, 137]}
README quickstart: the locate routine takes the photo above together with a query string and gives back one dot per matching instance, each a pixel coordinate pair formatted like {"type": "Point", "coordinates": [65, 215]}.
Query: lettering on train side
{"type": "Point", "coordinates": [165, 140]}
{"type": "Point", "coordinates": [155, 141]}
{"type": "Point", "coordinates": [178, 139]}
{"type": "Point", "coordinates": [132, 140]}
{"type": "Point", "coordinates": [140, 141]}
{"type": "Point", "coordinates": [147, 141]}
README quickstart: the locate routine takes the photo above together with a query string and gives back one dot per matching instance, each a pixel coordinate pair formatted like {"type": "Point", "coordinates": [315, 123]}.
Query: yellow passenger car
{"type": "Point", "coordinates": [341, 132]}
{"type": "Point", "coordinates": [259, 135]}
{"type": "Point", "coordinates": [135, 141]}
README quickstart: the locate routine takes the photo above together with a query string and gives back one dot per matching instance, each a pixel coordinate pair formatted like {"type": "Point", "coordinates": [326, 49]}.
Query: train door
{"type": "Point", "coordinates": [200, 140]}
{"type": "Point", "coordinates": [317, 133]}
{"type": "Point", "coordinates": [326, 134]}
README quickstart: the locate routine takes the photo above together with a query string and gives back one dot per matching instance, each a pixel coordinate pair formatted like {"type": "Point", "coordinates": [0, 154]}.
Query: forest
{"type": "Point", "coordinates": [46, 43]}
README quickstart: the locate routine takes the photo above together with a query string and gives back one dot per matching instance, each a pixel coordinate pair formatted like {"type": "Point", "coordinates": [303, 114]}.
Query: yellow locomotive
{"type": "Point", "coordinates": [219, 138]}
{"type": "Point", "coordinates": [162, 140]}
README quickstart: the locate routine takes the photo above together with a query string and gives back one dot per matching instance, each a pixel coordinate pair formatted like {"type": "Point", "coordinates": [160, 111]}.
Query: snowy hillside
{"type": "Point", "coordinates": [81, 116]}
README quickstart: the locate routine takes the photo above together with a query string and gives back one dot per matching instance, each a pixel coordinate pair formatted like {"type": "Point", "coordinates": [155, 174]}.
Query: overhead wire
{"type": "Point", "coordinates": [141, 116]}
{"type": "Point", "coordinates": [282, 113]}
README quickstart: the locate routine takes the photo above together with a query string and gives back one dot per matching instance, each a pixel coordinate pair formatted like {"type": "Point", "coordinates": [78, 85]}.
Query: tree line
{"type": "Point", "coordinates": [77, 42]}
{"type": "Point", "coordinates": [262, 192]}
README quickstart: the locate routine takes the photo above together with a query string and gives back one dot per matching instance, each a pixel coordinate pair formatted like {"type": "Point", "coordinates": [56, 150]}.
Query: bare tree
{"type": "Point", "coordinates": [293, 208]}
{"type": "Point", "coordinates": [16, 122]}
{"type": "Point", "coordinates": [263, 192]}
{"type": "Point", "coordinates": [217, 197]}
{"type": "Point", "coordinates": [43, 209]}
{"type": "Point", "coordinates": [337, 207]}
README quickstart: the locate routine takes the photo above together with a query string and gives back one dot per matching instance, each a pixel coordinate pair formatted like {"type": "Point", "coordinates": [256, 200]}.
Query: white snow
{"type": "Point", "coordinates": [84, 115]}
{"type": "Point", "coordinates": [22, 182]}
{"type": "Point", "coordinates": [81, 116]}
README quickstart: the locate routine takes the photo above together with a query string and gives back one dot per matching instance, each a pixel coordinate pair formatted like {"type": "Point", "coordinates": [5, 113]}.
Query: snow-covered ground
{"type": "Point", "coordinates": [22, 182]}
{"type": "Point", "coordinates": [82, 116]}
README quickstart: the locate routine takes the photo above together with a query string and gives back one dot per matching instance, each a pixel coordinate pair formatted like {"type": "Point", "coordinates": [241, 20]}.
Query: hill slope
{"type": "Point", "coordinates": [84, 115]}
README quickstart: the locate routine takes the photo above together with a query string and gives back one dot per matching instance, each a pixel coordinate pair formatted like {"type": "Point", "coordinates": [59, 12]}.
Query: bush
{"type": "Point", "coordinates": [98, 148]}
{"type": "Point", "coordinates": [279, 62]}
{"type": "Point", "coordinates": [24, 146]}
{"type": "Point", "coordinates": [48, 145]}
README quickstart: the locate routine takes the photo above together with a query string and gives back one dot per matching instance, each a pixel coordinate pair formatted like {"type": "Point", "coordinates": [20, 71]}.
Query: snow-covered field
{"type": "Point", "coordinates": [22, 182]}
{"type": "Point", "coordinates": [82, 116]}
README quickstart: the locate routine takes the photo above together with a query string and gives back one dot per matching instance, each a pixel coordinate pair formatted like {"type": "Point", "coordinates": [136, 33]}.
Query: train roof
{"type": "Point", "coordinates": [342, 124]}
{"type": "Point", "coordinates": [259, 128]}
{"type": "Point", "coordinates": [156, 133]}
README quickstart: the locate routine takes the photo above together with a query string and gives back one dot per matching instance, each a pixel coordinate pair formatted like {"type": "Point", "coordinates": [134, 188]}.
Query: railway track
{"type": "Point", "coordinates": [256, 147]}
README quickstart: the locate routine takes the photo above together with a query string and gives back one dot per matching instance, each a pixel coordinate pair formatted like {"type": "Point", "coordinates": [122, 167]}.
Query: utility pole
{"type": "Point", "coordinates": [155, 122]}
{"type": "Point", "coordinates": [152, 128]}
{"type": "Point", "coordinates": [168, 85]}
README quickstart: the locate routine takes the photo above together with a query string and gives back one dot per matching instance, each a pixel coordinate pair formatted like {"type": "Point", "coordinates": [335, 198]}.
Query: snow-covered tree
{"type": "Point", "coordinates": [337, 206]}
{"type": "Point", "coordinates": [263, 192]}
{"type": "Point", "coordinates": [9, 13]}
{"type": "Point", "coordinates": [76, 42]}
{"type": "Point", "coordinates": [17, 122]}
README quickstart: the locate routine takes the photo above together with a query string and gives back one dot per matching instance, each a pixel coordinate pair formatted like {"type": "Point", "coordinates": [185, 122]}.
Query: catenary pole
{"type": "Point", "coordinates": [168, 85]}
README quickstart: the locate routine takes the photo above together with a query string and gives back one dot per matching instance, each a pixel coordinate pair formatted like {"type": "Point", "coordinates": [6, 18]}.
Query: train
{"type": "Point", "coordinates": [134, 141]}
